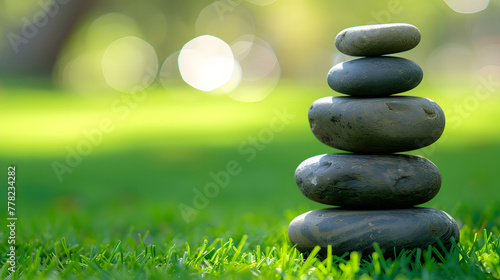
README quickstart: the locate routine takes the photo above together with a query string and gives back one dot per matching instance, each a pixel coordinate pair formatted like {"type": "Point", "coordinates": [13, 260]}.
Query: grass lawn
{"type": "Point", "coordinates": [115, 187]}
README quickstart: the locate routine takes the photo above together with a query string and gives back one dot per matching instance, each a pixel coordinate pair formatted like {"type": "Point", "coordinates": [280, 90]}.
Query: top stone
{"type": "Point", "coordinates": [377, 39]}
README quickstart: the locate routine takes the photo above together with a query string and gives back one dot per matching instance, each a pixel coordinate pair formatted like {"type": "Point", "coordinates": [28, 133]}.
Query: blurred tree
{"type": "Point", "coordinates": [33, 47]}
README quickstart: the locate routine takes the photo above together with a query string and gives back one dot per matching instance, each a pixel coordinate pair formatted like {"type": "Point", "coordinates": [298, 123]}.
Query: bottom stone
{"type": "Point", "coordinates": [357, 230]}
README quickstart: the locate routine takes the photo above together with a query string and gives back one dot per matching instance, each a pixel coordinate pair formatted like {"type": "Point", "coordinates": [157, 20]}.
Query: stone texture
{"type": "Point", "coordinates": [376, 125]}
{"type": "Point", "coordinates": [368, 181]}
{"type": "Point", "coordinates": [357, 230]}
{"type": "Point", "coordinates": [377, 39]}
{"type": "Point", "coordinates": [375, 76]}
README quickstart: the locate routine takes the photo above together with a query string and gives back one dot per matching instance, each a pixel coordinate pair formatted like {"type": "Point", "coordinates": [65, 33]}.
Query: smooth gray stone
{"type": "Point", "coordinates": [357, 230]}
{"type": "Point", "coordinates": [376, 125]}
{"type": "Point", "coordinates": [377, 39]}
{"type": "Point", "coordinates": [368, 181]}
{"type": "Point", "coordinates": [375, 76]}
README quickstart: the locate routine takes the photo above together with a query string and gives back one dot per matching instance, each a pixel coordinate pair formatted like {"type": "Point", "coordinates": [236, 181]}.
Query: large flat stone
{"type": "Point", "coordinates": [368, 181]}
{"type": "Point", "coordinates": [376, 125]}
{"type": "Point", "coordinates": [357, 230]}
{"type": "Point", "coordinates": [377, 39]}
{"type": "Point", "coordinates": [375, 76]}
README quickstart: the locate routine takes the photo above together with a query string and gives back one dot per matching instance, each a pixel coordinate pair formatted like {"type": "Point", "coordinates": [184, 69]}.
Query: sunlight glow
{"type": "Point", "coordinates": [206, 62]}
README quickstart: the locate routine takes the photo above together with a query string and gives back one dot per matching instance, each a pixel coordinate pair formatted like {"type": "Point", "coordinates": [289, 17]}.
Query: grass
{"type": "Point", "coordinates": [116, 214]}
{"type": "Point", "coordinates": [133, 257]}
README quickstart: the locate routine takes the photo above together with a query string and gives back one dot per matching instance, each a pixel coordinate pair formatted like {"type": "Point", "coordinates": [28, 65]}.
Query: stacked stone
{"type": "Point", "coordinates": [375, 188]}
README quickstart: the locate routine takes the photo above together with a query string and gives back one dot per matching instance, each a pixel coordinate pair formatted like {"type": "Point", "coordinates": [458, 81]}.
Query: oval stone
{"type": "Point", "coordinates": [375, 76]}
{"type": "Point", "coordinates": [376, 125]}
{"type": "Point", "coordinates": [368, 181]}
{"type": "Point", "coordinates": [377, 39]}
{"type": "Point", "coordinates": [357, 230]}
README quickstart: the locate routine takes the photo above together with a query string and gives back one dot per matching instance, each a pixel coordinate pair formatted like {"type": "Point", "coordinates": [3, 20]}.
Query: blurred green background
{"type": "Point", "coordinates": [105, 131]}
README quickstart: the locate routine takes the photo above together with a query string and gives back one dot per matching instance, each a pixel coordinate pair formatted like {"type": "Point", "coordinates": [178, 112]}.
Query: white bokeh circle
{"type": "Point", "coordinates": [467, 6]}
{"type": "Point", "coordinates": [206, 62]}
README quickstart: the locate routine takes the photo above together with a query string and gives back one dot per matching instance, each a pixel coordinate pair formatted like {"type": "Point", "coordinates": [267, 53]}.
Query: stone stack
{"type": "Point", "coordinates": [375, 188]}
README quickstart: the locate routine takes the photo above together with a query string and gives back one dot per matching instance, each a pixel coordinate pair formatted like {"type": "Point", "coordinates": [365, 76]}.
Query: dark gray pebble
{"type": "Point", "coordinates": [375, 76]}
{"type": "Point", "coordinates": [377, 39]}
{"type": "Point", "coordinates": [368, 181]}
{"type": "Point", "coordinates": [376, 125]}
{"type": "Point", "coordinates": [357, 230]}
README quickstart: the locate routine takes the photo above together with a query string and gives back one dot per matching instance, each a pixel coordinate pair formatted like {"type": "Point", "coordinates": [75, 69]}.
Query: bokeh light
{"type": "Point", "coordinates": [234, 81]}
{"type": "Point", "coordinates": [467, 6]}
{"type": "Point", "coordinates": [206, 62]}
{"type": "Point", "coordinates": [110, 27]}
{"type": "Point", "coordinates": [83, 73]}
{"type": "Point", "coordinates": [260, 69]}
{"type": "Point", "coordinates": [241, 48]}
{"type": "Point", "coordinates": [247, 72]}
{"type": "Point", "coordinates": [79, 67]}
{"type": "Point", "coordinates": [226, 20]}
{"type": "Point", "coordinates": [129, 64]}
{"type": "Point", "coordinates": [259, 62]}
